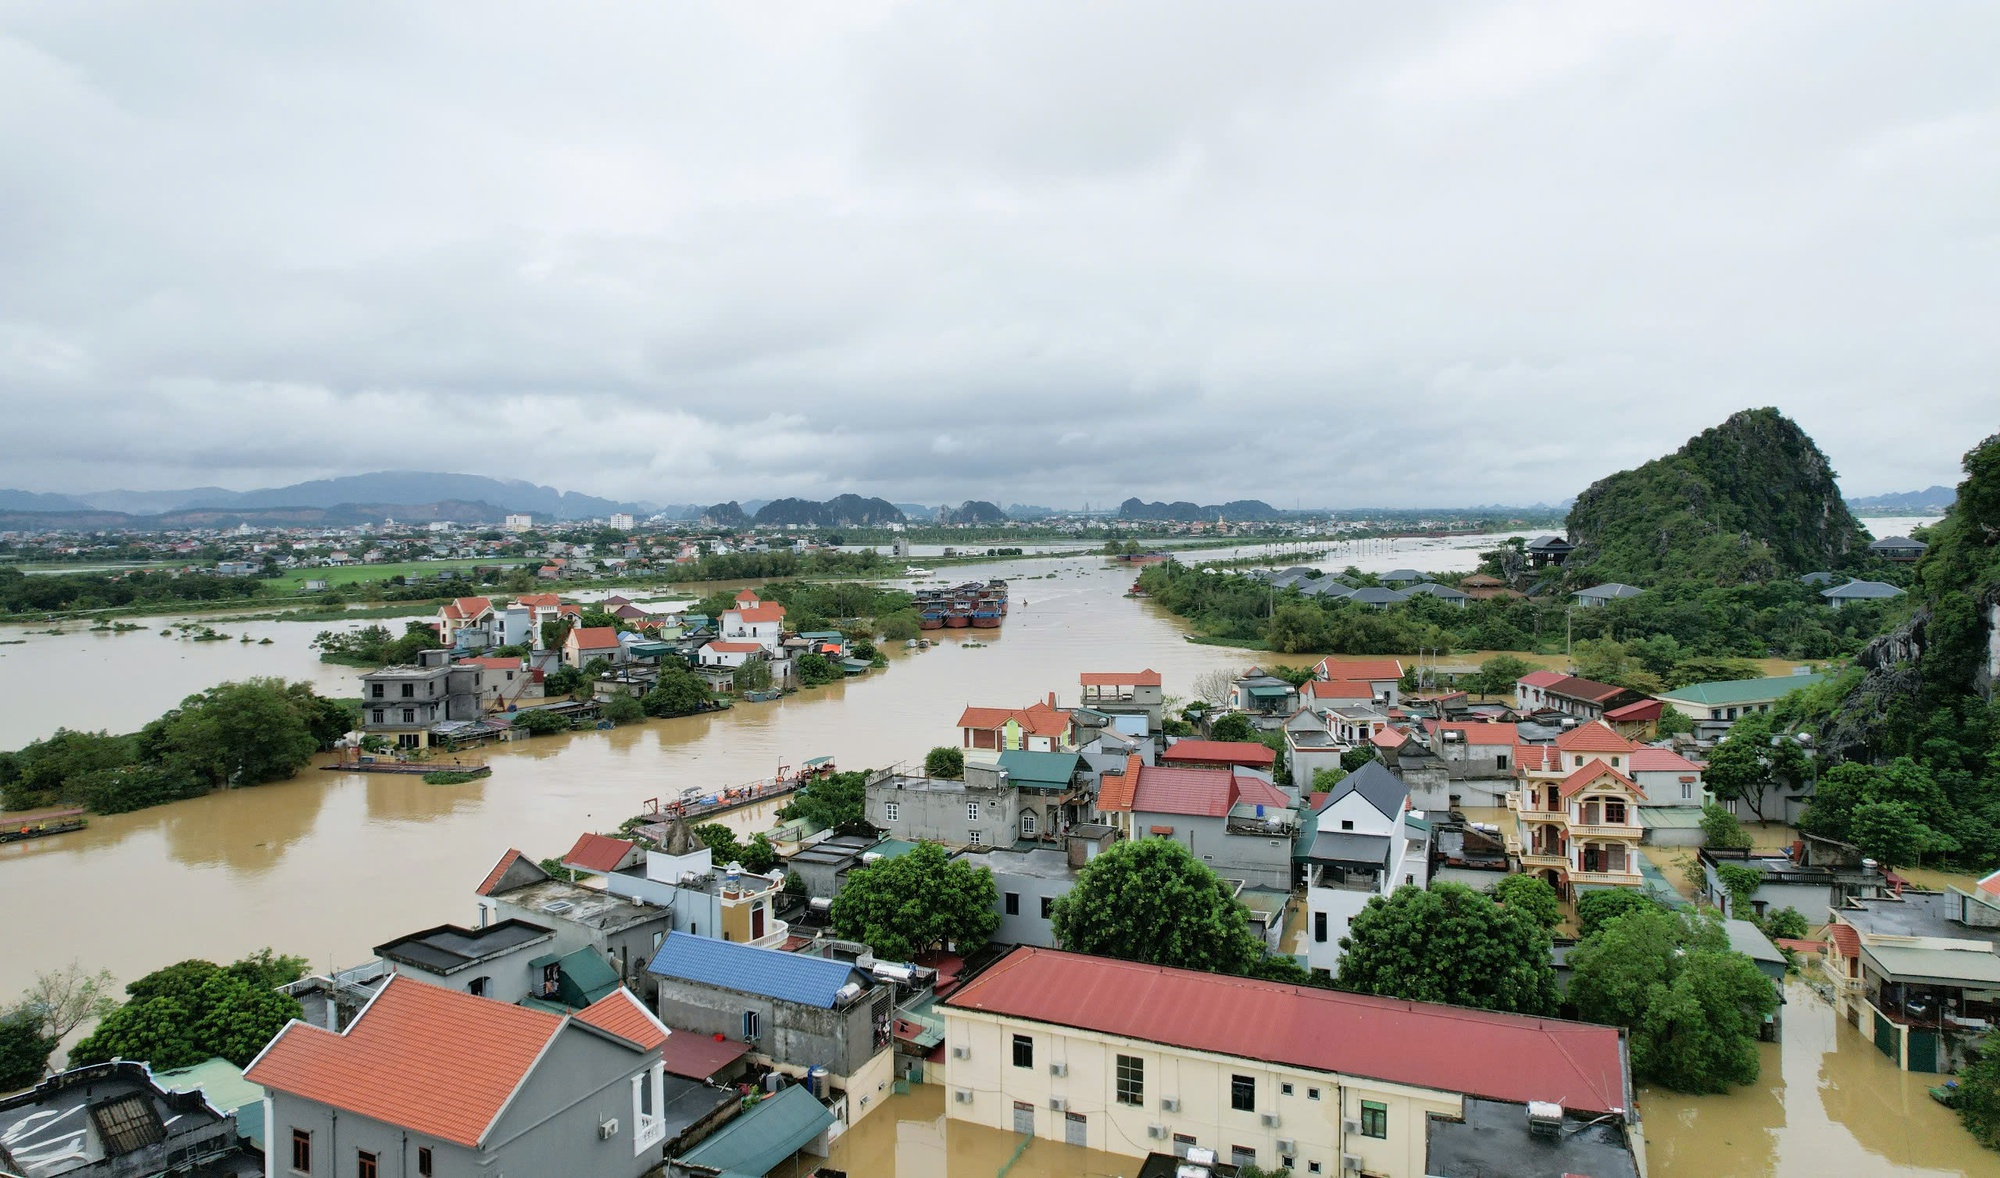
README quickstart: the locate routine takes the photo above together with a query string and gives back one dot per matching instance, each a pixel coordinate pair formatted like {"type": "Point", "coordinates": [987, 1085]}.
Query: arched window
{"type": "Point", "coordinates": [1028, 823]}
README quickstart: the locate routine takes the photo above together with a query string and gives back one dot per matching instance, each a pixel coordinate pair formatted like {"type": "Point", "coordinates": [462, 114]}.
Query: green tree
{"type": "Point", "coordinates": [563, 681]}
{"type": "Point", "coordinates": [901, 626]}
{"type": "Point", "coordinates": [1296, 628]}
{"type": "Point", "coordinates": [1594, 910]}
{"type": "Point", "coordinates": [1355, 758]}
{"type": "Point", "coordinates": [753, 675]}
{"type": "Point", "coordinates": [235, 734]}
{"type": "Point", "coordinates": [538, 722]}
{"type": "Point", "coordinates": [1449, 944]}
{"type": "Point", "coordinates": [1979, 1099]}
{"type": "Point", "coordinates": [680, 692]}
{"type": "Point", "coordinates": [1742, 884]}
{"type": "Point", "coordinates": [1788, 923]}
{"type": "Point", "coordinates": [831, 802]}
{"type": "Point", "coordinates": [181, 1015]}
{"type": "Point", "coordinates": [1736, 771]}
{"type": "Point", "coordinates": [1532, 895]}
{"type": "Point", "coordinates": [1151, 900]}
{"type": "Point", "coordinates": [622, 709]}
{"type": "Point", "coordinates": [1324, 780]}
{"type": "Point", "coordinates": [24, 1048]}
{"type": "Point", "coordinates": [1499, 674]}
{"type": "Point", "coordinates": [815, 670]}
{"type": "Point", "coordinates": [1693, 1006]}
{"type": "Point", "coordinates": [918, 900]}
{"type": "Point", "coordinates": [945, 762]}
{"type": "Point", "coordinates": [1710, 670]}
{"type": "Point", "coordinates": [1234, 726]}
{"type": "Point", "coordinates": [1892, 833]}
{"type": "Point", "coordinates": [1721, 831]}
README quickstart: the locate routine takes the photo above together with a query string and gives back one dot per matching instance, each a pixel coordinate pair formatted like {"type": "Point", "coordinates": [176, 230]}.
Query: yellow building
{"type": "Point", "coordinates": [1136, 1059]}
{"type": "Point", "coordinates": [1576, 813]}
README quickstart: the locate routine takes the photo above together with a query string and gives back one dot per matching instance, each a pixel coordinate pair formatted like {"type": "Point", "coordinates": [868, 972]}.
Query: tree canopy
{"type": "Point", "coordinates": [1594, 910]}
{"type": "Point", "coordinates": [1151, 900]}
{"type": "Point", "coordinates": [1449, 944]}
{"type": "Point", "coordinates": [946, 762]}
{"type": "Point", "coordinates": [1692, 1005]}
{"type": "Point", "coordinates": [831, 802]}
{"type": "Point", "coordinates": [1530, 894]}
{"type": "Point", "coordinates": [186, 1013]}
{"type": "Point", "coordinates": [918, 900]}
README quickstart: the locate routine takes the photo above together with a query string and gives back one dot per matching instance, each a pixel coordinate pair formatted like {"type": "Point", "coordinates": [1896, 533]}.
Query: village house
{"type": "Point", "coordinates": [1918, 972]}
{"type": "Point", "coordinates": [797, 1012]}
{"type": "Point", "coordinates": [1900, 549]}
{"type": "Point", "coordinates": [1364, 842]}
{"type": "Point", "coordinates": [1576, 813]}
{"type": "Point", "coordinates": [1675, 795]}
{"type": "Point", "coordinates": [1189, 753]}
{"type": "Point", "coordinates": [727, 655]}
{"type": "Point", "coordinates": [1126, 693]}
{"type": "Point", "coordinates": [463, 621]}
{"type": "Point", "coordinates": [1636, 721]}
{"type": "Point", "coordinates": [1263, 696]}
{"type": "Point", "coordinates": [1548, 550]}
{"type": "Point", "coordinates": [1322, 695]}
{"type": "Point", "coordinates": [1472, 764]}
{"type": "Point", "coordinates": [1817, 874]}
{"type": "Point", "coordinates": [753, 620]}
{"type": "Point", "coordinates": [1584, 699]}
{"type": "Point", "coordinates": [119, 1120]}
{"type": "Point", "coordinates": [1597, 595]}
{"type": "Point", "coordinates": [505, 681]}
{"type": "Point", "coordinates": [619, 931]}
{"type": "Point", "coordinates": [1715, 707]}
{"type": "Point", "coordinates": [435, 1081]}
{"type": "Point", "coordinates": [1039, 727]}
{"type": "Point", "coordinates": [1240, 826]}
{"type": "Point", "coordinates": [1131, 1058]}
{"type": "Point", "coordinates": [1385, 676]}
{"type": "Point", "coordinates": [404, 703]}
{"type": "Point", "coordinates": [682, 880]}
{"type": "Point", "coordinates": [586, 644]}
{"type": "Point", "coordinates": [1309, 747]}
{"type": "Point", "coordinates": [1840, 595]}
{"type": "Point", "coordinates": [1027, 883]}
{"type": "Point", "coordinates": [986, 808]}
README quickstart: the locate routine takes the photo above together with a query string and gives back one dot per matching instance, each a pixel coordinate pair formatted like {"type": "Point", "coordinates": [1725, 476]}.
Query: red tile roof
{"type": "Point", "coordinates": [499, 869]}
{"type": "Point", "coordinates": [1991, 884]}
{"type": "Point", "coordinates": [1387, 738]}
{"type": "Point", "coordinates": [492, 664]}
{"type": "Point", "coordinates": [1484, 734]}
{"type": "Point", "coordinates": [595, 637]}
{"type": "Point", "coordinates": [1198, 793]}
{"type": "Point", "coordinates": [466, 607]}
{"type": "Point", "coordinates": [1844, 939]}
{"type": "Point", "coordinates": [1645, 709]}
{"type": "Point", "coordinates": [1537, 758]}
{"type": "Point", "coordinates": [1593, 772]}
{"type": "Point", "coordinates": [1337, 689]}
{"type": "Point", "coordinates": [700, 1056]}
{"type": "Point", "coordinates": [761, 613]}
{"type": "Point", "coordinates": [1115, 790]}
{"type": "Point", "coordinates": [622, 1014]}
{"type": "Point", "coordinates": [1038, 719]}
{"type": "Point", "coordinates": [1588, 690]}
{"type": "Point", "coordinates": [1361, 670]}
{"type": "Point", "coordinates": [747, 597]}
{"type": "Point", "coordinates": [595, 852]}
{"type": "Point", "coordinates": [1797, 945]}
{"type": "Point", "coordinates": [1220, 752]}
{"type": "Point", "coordinates": [1444, 1048]}
{"type": "Point", "coordinates": [539, 600]}
{"type": "Point", "coordinates": [1146, 678]}
{"type": "Point", "coordinates": [1594, 737]}
{"type": "Point", "coordinates": [1541, 678]}
{"type": "Point", "coordinates": [735, 647]}
{"type": "Point", "coordinates": [1651, 760]}
{"type": "Point", "coordinates": [420, 1057]}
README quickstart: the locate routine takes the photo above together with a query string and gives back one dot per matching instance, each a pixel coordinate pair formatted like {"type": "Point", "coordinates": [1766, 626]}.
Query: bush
{"type": "Point", "coordinates": [901, 626]}
{"type": "Point", "coordinates": [1788, 923]}
{"type": "Point", "coordinates": [816, 669]}
{"type": "Point", "coordinates": [1594, 910]}
{"type": "Point", "coordinates": [1234, 727]}
{"type": "Point", "coordinates": [622, 709]}
{"type": "Point", "coordinates": [540, 722]}
{"type": "Point", "coordinates": [1531, 895]}
{"type": "Point", "coordinates": [449, 777]}
{"type": "Point", "coordinates": [1741, 883]}
{"type": "Point", "coordinates": [1979, 1099]}
{"type": "Point", "coordinates": [1721, 831]}
{"type": "Point", "coordinates": [945, 762]}
{"type": "Point", "coordinates": [186, 1013]}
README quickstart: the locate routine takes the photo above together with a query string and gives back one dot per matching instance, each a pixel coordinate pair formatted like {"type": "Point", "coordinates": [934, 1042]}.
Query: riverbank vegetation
{"type": "Point", "coordinates": [234, 734]}
{"type": "Point", "coordinates": [196, 1010]}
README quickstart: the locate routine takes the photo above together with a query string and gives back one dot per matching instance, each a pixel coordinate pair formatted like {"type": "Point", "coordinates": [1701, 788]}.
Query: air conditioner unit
{"type": "Point", "coordinates": [1270, 1120]}
{"type": "Point", "coordinates": [960, 1051]}
{"type": "Point", "coordinates": [1058, 1069]}
{"type": "Point", "coordinates": [1351, 1162]}
{"type": "Point", "coordinates": [963, 1096]}
{"type": "Point", "coordinates": [1057, 1104]}
{"type": "Point", "coordinates": [1351, 1127]}
{"type": "Point", "coordinates": [1287, 1146]}
{"type": "Point", "coordinates": [606, 1130]}
{"type": "Point", "coordinates": [1170, 1104]}
{"type": "Point", "coordinates": [1157, 1132]}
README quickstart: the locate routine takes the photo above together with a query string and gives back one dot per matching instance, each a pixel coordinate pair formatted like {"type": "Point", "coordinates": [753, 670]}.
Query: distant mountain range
{"type": "Point", "coordinates": [1237, 509]}
{"type": "Point", "coordinates": [841, 511]}
{"type": "Point", "coordinates": [1931, 501]}
{"type": "Point", "coordinates": [388, 488]}
{"type": "Point", "coordinates": [976, 511]}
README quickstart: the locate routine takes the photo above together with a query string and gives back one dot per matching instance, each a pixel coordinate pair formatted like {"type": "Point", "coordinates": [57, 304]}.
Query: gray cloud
{"type": "Point", "coordinates": [1331, 254]}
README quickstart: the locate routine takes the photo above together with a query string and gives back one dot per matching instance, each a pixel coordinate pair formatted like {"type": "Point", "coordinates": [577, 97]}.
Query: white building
{"type": "Point", "coordinates": [520, 523]}
{"type": "Point", "coordinates": [754, 621]}
{"type": "Point", "coordinates": [1367, 843]}
{"type": "Point", "coordinates": [621, 520]}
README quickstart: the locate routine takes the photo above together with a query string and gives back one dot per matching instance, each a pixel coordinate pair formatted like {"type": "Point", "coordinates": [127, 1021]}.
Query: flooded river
{"type": "Point", "coordinates": [331, 864]}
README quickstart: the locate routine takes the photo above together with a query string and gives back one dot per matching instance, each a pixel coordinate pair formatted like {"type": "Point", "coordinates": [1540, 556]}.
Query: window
{"type": "Point", "coordinates": [972, 811]}
{"type": "Point", "coordinates": [1687, 790]}
{"type": "Point", "coordinates": [1284, 1089]}
{"type": "Point", "coordinates": [476, 987]}
{"type": "Point", "coordinates": [1131, 1080]}
{"type": "Point", "coordinates": [1579, 762]}
{"type": "Point", "coordinates": [1374, 1119]}
{"type": "Point", "coordinates": [750, 1026]}
{"type": "Point", "coordinates": [1500, 761]}
{"type": "Point", "coordinates": [1028, 822]}
{"type": "Point", "coordinates": [975, 838]}
{"type": "Point", "coordinates": [378, 715]}
{"type": "Point", "coordinates": [890, 811]}
{"type": "Point", "coordinates": [409, 715]}
{"type": "Point", "coordinates": [424, 1161]}
{"type": "Point", "coordinates": [1312, 1094]}
{"type": "Point", "coordinates": [1243, 1094]}
{"type": "Point", "coordinates": [1013, 903]}
{"type": "Point", "coordinates": [1048, 906]}
{"type": "Point", "coordinates": [1347, 824]}
{"type": "Point", "coordinates": [364, 1164]}
{"type": "Point", "coordinates": [1241, 1156]}
{"type": "Point", "coordinates": [1312, 1167]}
{"type": "Point", "coordinates": [1024, 1051]}
{"type": "Point", "coordinates": [409, 691]}
{"type": "Point", "coordinates": [1287, 1161]}
{"type": "Point", "coordinates": [1319, 927]}
{"type": "Point", "coordinates": [302, 1152]}
{"type": "Point", "coordinates": [375, 691]}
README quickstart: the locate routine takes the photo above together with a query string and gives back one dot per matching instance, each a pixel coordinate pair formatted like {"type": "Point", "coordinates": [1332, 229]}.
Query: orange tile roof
{"type": "Point", "coordinates": [1844, 939]}
{"type": "Point", "coordinates": [622, 1014]}
{"type": "Point", "coordinates": [1115, 790]}
{"type": "Point", "coordinates": [1038, 719]}
{"type": "Point", "coordinates": [1337, 689]}
{"type": "Point", "coordinates": [761, 613]}
{"type": "Point", "coordinates": [1366, 670]}
{"type": "Point", "coordinates": [1651, 760]}
{"type": "Point", "coordinates": [1594, 737]}
{"type": "Point", "coordinates": [493, 664]}
{"type": "Point", "coordinates": [1485, 733]}
{"type": "Point", "coordinates": [539, 600]}
{"type": "Point", "coordinates": [1220, 752]}
{"type": "Point", "coordinates": [595, 637]}
{"type": "Point", "coordinates": [1595, 771]}
{"type": "Point", "coordinates": [595, 852]}
{"type": "Point", "coordinates": [1991, 884]}
{"type": "Point", "coordinates": [735, 647]}
{"type": "Point", "coordinates": [1537, 758]}
{"type": "Point", "coordinates": [499, 869]}
{"type": "Point", "coordinates": [747, 597]}
{"type": "Point", "coordinates": [1387, 738]}
{"type": "Point", "coordinates": [1145, 678]}
{"type": "Point", "coordinates": [419, 1057]}
{"type": "Point", "coordinates": [466, 607]}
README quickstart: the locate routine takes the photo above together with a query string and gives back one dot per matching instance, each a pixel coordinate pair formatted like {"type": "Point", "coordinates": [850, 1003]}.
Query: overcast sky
{"type": "Point", "coordinates": [1325, 253]}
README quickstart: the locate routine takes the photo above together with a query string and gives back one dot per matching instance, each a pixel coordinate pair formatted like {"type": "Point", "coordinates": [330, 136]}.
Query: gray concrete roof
{"type": "Point", "coordinates": [1494, 1141]}
{"type": "Point", "coordinates": [1041, 863]}
{"type": "Point", "coordinates": [592, 909]}
{"type": "Point", "coordinates": [1917, 914]}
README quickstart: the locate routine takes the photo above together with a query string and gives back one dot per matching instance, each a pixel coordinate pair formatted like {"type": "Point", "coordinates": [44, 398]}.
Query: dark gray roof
{"type": "Point", "coordinates": [1341, 846]}
{"type": "Point", "coordinates": [1816, 579]}
{"type": "Point", "coordinates": [1493, 1141]}
{"type": "Point", "coordinates": [1374, 596]}
{"type": "Point", "coordinates": [1325, 587]}
{"type": "Point", "coordinates": [448, 947]}
{"type": "Point", "coordinates": [1609, 590]}
{"type": "Point", "coordinates": [1436, 590]}
{"type": "Point", "coordinates": [1898, 542]}
{"type": "Point", "coordinates": [1540, 542]}
{"type": "Point", "coordinates": [1858, 590]}
{"type": "Point", "coordinates": [1402, 575]}
{"type": "Point", "coordinates": [1384, 790]}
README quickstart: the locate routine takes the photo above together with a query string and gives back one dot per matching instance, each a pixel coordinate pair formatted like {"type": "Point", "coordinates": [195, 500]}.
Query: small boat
{"type": "Point", "coordinates": [1946, 1093]}
{"type": "Point", "coordinates": [917, 574]}
{"type": "Point", "coordinates": [972, 645]}
{"type": "Point", "coordinates": [910, 644]}
{"type": "Point", "coordinates": [761, 696]}
{"type": "Point", "coordinates": [35, 826]}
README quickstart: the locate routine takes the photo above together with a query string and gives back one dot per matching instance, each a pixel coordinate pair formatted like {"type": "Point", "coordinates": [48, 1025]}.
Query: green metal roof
{"type": "Point", "coordinates": [1741, 691]}
{"type": "Point", "coordinates": [1670, 817]}
{"type": "Point", "coordinates": [767, 1134]}
{"type": "Point", "coordinates": [586, 977]}
{"type": "Point", "coordinates": [890, 848]}
{"type": "Point", "coordinates": [1051, 770]}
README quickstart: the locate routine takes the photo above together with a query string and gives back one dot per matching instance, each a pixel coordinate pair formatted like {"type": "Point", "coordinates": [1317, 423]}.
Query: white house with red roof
{"type": "Point", "coordinates": [467, 616]}
{"type": "Point", "coordinates": [1668, 778]}
{"type": "Point", "coordinates": [1576, 811]}
{"type": "Point", "coordinates": [585, 644]}
{"type": "Point", "coordinates": [1040, 727]}
{"type": "Point", "coordinates": [1239, 825]}
{"type": "Point", "coordinates": [1323, 695]}
{"type": "Point", "coordinates": [428, 1080]}
{"type": "Point", "coordinates": [1384, 675]}
{"type": "Point", "coordinates": [754, 620]}
{"type": "Point", "coordinates": [1476, 759]}
{"type": "Point", "coordinates": [728, 654]}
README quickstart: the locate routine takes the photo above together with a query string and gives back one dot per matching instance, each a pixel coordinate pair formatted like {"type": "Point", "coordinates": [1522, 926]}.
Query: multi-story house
{"type": "Point", "coordinates": [1040, 727]}
{"type": "Point", "coordinates": [622, 932]}
{"type": "Point", "coordinates": [586, 644]}
{"type": "Point", "coordinates": [1241, 826]}
{"type": "Point", "coordinates": [433, 1081]}
{"type": "Point", "coordinates": [1364, 844]}
{"type": "Point", "coordinates": [1126, 693]}
{"type": "Point", "coordinates": [463, 621]}
{"type": "Point", "coordinates": [1576, 811]}
{"type": "Point", "coordinates": [403, 703]}
{"type": "Point", "coordinates": [1384, 676]}
{"type": "Point", "coordinates": [1585, 699]}
{"type": "Point", "coordinates": [682, 880]}
{"type": "Point", "coordinates": [753, 620]}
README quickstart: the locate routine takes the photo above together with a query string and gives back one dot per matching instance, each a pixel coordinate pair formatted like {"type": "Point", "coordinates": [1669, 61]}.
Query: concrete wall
{"type": "Point", "coordinates": [842, 1041]}
{"type": "Point", "coordinates": [941, 816]}
{"type": "Point", "coordinates": [508, 977]}
{"type": "Point", "coordinates": [1309, 1116]}
{"type": "Point", "coordinates": [1030, 927]}
{"type": "Point", "coordinates": [1258, 860]}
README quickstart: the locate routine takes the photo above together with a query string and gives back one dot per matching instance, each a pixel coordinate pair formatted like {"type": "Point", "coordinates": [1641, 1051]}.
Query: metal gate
{"type": "Point", "coordinates": [1076, 1130]}
{"type": "Point", "coordinates": [1024, 1118]}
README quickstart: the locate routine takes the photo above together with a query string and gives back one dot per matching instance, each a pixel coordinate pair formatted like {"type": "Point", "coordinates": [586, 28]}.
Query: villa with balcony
{"type": "Point", "coordinates": [1576, 812]}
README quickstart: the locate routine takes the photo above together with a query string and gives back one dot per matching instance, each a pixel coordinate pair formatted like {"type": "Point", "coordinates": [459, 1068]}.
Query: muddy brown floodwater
{"type": "Point", "coordinates": [331, 864]}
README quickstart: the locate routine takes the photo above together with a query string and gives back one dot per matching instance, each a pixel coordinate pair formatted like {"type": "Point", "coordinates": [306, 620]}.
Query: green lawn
{"type": "Point", "coordinates": [354, 574]}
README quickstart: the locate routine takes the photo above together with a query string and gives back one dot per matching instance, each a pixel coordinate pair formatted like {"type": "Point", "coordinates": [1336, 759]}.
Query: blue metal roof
{"type": "Point", "coordinates": [791, 977]}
